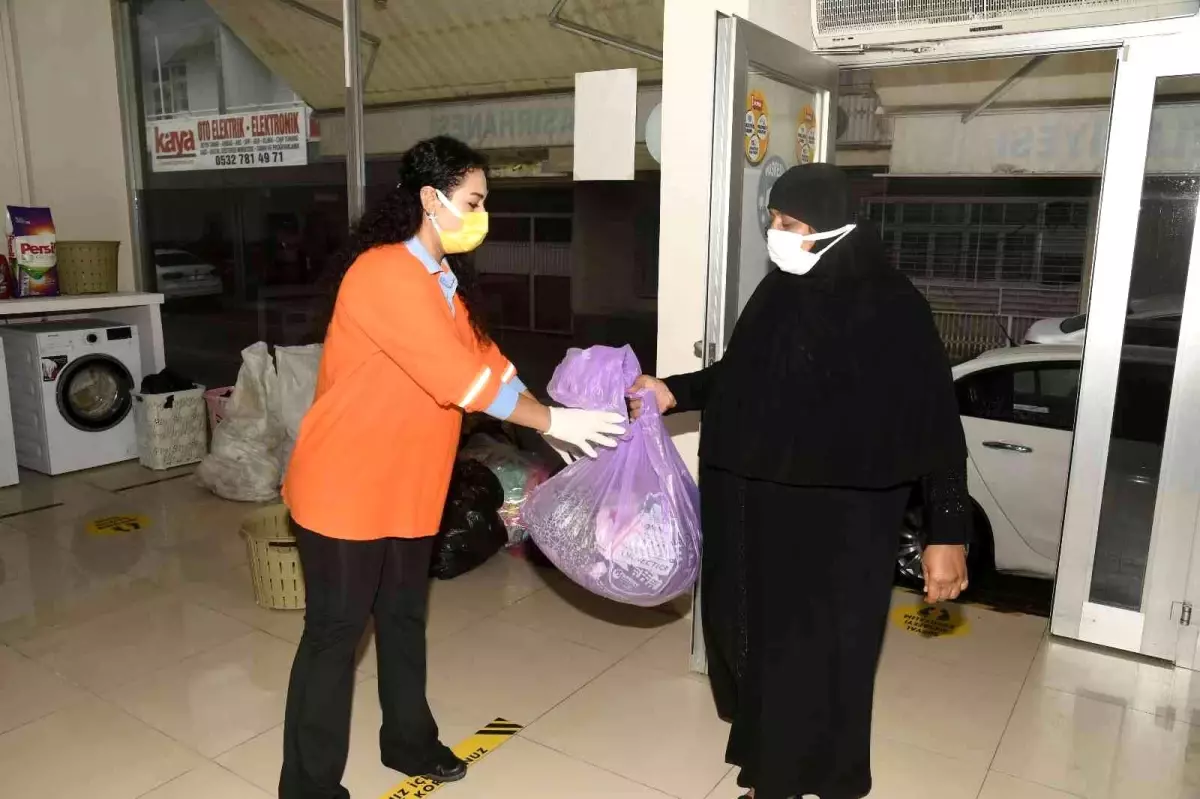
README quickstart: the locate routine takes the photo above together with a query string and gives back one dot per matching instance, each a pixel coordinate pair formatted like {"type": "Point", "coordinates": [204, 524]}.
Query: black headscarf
{"type": "Point", "coordinates": [837, 377]}
{"type": "Point", "coordinates": [816, 194]}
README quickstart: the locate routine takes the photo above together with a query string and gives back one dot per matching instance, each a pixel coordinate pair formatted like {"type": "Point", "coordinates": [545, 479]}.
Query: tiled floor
{"type": "Point", "coordinates": [137, 665]}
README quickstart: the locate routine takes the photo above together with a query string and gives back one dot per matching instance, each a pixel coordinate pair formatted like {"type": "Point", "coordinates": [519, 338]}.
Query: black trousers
{"type": "Point", "coordinates": [347, 582]}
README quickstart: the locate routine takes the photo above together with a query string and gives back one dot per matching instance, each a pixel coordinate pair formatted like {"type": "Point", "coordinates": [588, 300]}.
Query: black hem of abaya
{"type": "Point", "coordinates": [853, 794]}
{"type": "Point", "coordinates": [795, 658]}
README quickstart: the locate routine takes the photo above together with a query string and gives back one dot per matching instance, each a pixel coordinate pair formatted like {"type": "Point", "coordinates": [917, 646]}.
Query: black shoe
{"type": "Point", "coordinates": [449, 769]}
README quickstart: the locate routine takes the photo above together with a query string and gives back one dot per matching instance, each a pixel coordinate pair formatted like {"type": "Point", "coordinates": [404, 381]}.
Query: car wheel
{"type": "Point", "coordinates": [913, 537]}
{"type": "Point", "coordinates": [909, 564]}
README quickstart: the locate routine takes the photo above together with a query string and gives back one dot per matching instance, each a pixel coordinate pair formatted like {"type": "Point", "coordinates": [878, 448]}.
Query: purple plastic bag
{"type": "Point", "coordinates": [625, 525]}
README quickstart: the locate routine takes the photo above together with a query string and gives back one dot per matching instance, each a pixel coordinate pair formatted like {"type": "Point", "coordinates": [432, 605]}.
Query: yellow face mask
{"type": "Point", "coordinates": [470, 234]}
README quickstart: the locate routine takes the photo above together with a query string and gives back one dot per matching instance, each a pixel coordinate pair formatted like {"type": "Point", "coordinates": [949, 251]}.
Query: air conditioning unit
{"type": "Point", "coordinates": [853, 24]}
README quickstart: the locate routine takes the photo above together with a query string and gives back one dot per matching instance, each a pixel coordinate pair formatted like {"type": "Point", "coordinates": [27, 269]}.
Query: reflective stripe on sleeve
{"type": "Point", "coordinates": [477, 387]}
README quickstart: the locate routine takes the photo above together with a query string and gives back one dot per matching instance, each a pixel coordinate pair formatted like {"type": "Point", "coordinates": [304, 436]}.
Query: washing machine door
{"type": "Point", "coordinates": [95, 393]}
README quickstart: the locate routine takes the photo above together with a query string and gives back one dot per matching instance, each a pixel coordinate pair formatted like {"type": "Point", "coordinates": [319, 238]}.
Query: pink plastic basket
{"type": "Point", "coordinates": [217, 399]}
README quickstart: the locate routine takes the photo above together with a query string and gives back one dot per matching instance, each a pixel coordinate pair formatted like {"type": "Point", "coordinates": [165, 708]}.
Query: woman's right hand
{"type": "Point", "coordinates": [585, 430]}
{"type": "Point", "coordinates": [666, 400]}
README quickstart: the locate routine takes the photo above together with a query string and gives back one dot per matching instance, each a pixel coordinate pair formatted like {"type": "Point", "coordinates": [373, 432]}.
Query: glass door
{"type": "Point", "coordinates": [775, 107]}
{"type": "Point", "coordinates": [1134, 488]}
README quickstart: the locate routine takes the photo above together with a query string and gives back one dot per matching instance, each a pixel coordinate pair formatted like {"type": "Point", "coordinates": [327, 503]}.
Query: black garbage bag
{"type": "Point", "coordinates": [472, 531]}
{"type": "Point", "coordinates": [166, 382]}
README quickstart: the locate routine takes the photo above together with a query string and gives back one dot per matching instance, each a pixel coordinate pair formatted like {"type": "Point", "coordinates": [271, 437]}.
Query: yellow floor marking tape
{"type": "Point", "coordinates": [931, 621]}
{"type": "Point", "coordinates": [470, 751]}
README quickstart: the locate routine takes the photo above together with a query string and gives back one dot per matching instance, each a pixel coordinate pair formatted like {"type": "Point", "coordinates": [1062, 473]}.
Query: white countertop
{"type": "Point", "coordinates": [78, 302]}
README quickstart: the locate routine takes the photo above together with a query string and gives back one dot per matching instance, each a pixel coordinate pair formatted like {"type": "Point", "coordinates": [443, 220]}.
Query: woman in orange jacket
{"type": "Point", "coordinates": [406, 354]}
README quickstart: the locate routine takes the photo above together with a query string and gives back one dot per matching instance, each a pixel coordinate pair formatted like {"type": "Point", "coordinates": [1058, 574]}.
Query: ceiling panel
{"type": "Point", "coordinates": [441, 50]}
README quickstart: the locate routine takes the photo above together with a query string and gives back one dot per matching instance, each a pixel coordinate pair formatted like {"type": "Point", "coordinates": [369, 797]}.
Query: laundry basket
{"type": "Point", "coordinates": [217, 399]}
{"type": "Point", "coordinates": [87, 267]}
{"type": "Point", "coordinates": [172, 428]}
{"type": "Point", "coordinates": [274, 559]}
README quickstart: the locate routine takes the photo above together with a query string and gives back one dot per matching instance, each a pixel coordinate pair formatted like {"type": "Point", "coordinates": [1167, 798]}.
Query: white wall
{"type": "Point", "coordinates": [14, 187]}
{"type": "Point", "coordinates": [65, 122]}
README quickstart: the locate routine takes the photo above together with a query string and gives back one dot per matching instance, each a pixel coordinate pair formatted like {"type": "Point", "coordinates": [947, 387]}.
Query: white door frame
{"type": "Point", "coordinates": [1154, 629]}
{"type": "Point", "coordinates": [743, 47]}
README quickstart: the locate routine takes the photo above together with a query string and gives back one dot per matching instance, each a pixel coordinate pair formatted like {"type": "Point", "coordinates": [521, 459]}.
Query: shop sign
{"type": "Point", "coordinates": [1060, 141]}
{"type": "Point", "coordinates": [266, 138]}
{"type": "Point", "coordinates": [533, 122]}
{"type": "Point", "coordinates": [488, 128]}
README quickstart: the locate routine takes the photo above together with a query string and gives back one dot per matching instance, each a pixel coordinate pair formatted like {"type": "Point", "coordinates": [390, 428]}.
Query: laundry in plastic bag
{"type": "Point", "coordinates": [624, 525]}
{"type": "Point", "coordinates": [471, 530]}
{"type": "Point", "coordinates": [297, 368]}
{"type": "Point", "coordinates": [246, 459]}
{"type": "Point", "coordinates": [519, 474]}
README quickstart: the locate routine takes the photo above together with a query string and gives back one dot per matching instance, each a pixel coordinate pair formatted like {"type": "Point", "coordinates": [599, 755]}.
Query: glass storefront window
{"type": "Point", "coordinates": [244, 240]}
{"type": "Point", "coordinates": [1162, 254]}
{"type": "Point", "coordinates": [243, 213]}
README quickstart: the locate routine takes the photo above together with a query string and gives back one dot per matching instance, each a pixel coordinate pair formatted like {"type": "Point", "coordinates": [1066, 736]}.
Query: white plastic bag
{"type": "Point", "coordinates": [246, 461]}
{"type": "Point", "coordinates": [297, 368]}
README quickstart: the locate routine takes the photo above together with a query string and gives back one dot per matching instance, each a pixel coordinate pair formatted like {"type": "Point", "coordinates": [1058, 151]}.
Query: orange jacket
{"type": "Point", "coordinates": [400, 365]}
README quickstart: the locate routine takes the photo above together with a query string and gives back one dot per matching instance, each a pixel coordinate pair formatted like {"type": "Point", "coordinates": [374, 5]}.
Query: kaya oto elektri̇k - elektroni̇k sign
{"type": "Point", "coordinates": [229, 141]}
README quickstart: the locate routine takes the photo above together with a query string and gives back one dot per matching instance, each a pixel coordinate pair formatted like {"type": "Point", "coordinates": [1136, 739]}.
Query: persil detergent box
{"type": "Point", "coordinates": [32, 244]}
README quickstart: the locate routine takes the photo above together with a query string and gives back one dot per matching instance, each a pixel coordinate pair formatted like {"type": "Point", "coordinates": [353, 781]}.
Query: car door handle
{"type": "Point", "coordinates": [1020, 449]}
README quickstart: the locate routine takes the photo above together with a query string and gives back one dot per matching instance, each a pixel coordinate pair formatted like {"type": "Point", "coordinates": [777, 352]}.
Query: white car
{"type": "Point", "coordinates": [1152, 321]}
{"type": "Point", "coordinates": [181, 274]}
{"type": "Point", "coordinates": [1017, 407]}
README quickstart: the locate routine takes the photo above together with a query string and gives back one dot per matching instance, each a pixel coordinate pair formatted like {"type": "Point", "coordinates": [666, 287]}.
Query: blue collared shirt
{"type": "Point", "coordinates": [506, 401]}
{"type": "Point", "coordinates": [447, 280]}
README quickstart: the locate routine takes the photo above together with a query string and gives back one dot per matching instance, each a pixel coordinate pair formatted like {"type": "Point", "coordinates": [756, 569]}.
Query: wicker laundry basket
{"type": "Point", "coordinates": [87, 267]}
{"type": "Point", "coordinates": [274, 559]}
{"type": "Point", "coordinates": [172, 429]}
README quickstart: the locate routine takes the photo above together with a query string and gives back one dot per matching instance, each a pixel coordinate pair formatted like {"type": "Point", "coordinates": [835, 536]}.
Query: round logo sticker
{"type": "Point", "coordinates": [931, 621]}
{"type": "Point", "coordinates": [757, 128]}
{"type": "Point", "coordinates": [806, 136]}
{"type": "Point", "coordinates": [117, 524]}
{"type": "Point", "coordinates": [754, 149]}
{"type": "Point", "coordinates": [773, 169]}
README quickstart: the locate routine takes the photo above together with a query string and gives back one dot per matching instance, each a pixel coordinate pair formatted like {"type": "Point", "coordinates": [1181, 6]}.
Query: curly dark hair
{"type": "Point", "coordinates": [441, 162]}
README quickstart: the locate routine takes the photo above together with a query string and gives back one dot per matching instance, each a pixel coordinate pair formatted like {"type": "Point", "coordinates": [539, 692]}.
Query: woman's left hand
{"type": "Point", "coordinates": [666, 400]}
{"type": "Point", "coordinates": [945, 568]}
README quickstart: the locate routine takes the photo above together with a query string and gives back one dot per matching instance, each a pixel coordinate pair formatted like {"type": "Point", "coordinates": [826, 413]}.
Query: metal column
{"type": "Point", "coordinates": [356, 167]}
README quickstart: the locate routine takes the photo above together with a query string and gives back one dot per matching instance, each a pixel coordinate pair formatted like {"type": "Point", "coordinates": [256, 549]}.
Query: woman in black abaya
{"type": "Point", "coordinates": [833, 402]}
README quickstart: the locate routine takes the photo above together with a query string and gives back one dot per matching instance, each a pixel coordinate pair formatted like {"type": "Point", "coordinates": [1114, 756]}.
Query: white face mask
{"type": "Point", "coordinates": [786, 249]}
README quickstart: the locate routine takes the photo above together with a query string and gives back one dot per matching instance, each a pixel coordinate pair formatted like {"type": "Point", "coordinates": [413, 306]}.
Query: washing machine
{"type": "Point", "coordinates": [71, 387]}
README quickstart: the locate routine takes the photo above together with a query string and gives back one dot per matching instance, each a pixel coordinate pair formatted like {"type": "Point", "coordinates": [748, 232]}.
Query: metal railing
{"type": "Point", "coordinates": [520, 258]}
{"type": "Point", "coordinates": [967, 335]}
